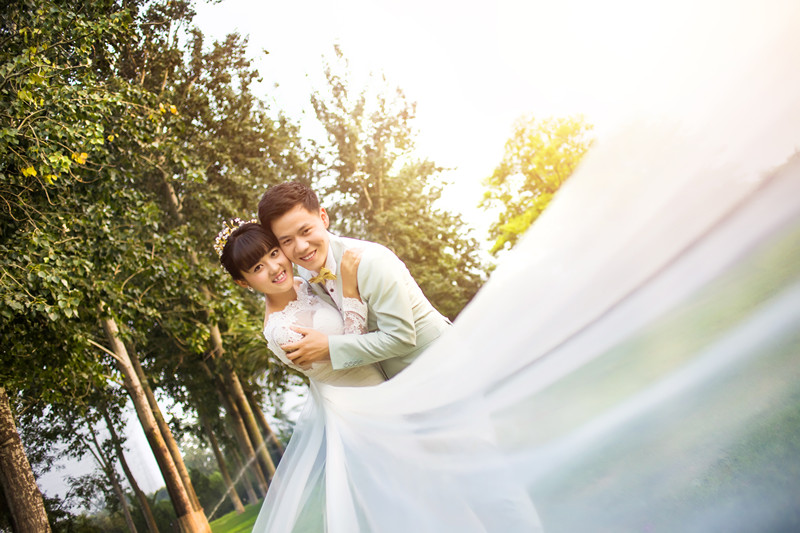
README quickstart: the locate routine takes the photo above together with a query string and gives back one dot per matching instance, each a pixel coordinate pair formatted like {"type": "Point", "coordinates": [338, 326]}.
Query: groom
{"type": "Point", "coordinates": [401, 322]}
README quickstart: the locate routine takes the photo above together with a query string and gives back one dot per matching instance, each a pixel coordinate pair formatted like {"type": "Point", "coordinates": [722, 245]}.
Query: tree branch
{"type": "Point", "coordinates": [107, 351]}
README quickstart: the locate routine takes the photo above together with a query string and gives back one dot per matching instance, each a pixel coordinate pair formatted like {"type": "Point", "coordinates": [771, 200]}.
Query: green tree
{"type": "Point", "coordinates": [75, 231]}
{"type": "Point", "coordinates": [56, 111]}
{"type": "Point", "coordinates": [239, 149]}
{"type": "Point", "coordinates": [123, 148]}
{"type": "Point", "coordinates": [376, 189]}
{"type": "Point", "coordinates": [539, 157]}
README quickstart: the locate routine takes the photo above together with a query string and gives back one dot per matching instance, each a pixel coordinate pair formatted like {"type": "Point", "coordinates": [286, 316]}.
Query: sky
{"type": "Point", "coordinates": [474, 67]}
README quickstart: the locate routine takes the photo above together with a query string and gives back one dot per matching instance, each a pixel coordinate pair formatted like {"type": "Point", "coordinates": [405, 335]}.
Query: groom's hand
{"type": "Point", "coordinates": [312, 348]}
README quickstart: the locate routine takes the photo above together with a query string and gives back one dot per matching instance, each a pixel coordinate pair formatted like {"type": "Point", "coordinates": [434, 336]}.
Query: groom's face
{"type": "Point", "coordinates": [303, 236]}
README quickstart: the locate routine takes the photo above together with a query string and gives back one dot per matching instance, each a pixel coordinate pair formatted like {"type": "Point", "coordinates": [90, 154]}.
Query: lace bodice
{"type": "Point", "coordinates": [309, 311]}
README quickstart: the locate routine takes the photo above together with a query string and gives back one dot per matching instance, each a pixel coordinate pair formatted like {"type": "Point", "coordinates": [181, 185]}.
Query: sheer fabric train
{"type": "Point", "coordinates": [633, 365]}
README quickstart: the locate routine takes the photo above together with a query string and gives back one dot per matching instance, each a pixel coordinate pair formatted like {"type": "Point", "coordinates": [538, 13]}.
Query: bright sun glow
{"type": "Point", "coordinates": [474, 67]}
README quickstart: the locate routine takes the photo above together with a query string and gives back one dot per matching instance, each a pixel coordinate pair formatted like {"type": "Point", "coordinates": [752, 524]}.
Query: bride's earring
{"type": "Point", "coordinates": [250, 289]}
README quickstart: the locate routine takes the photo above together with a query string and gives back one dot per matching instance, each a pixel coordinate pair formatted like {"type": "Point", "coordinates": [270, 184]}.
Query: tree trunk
{"type": "Point", "coordinates": [223, 467]}
{"type": "Point", "coordinates": [245, 477]}
{"type": "Point", "coordinates": [240, 403]}
{"type": "Point", "coordinates": [264, 424]}
{"type": "Point", "coordinates": [169, 439]}
{"type": "Point", "coordinates": [123, 501]}
{"type": "Point", "coordinates": [144, 503]}
{"type": "Point", "coordinates": [217, 350]}
{"type": "Point", "coordinates": [189, 519]}
{"type": "Point", "coordinates": [111, 473]}
{"type": "Point", "coordinates": [239, 431]}
{"type": "Point", "coordinates": [237, 392]}
{"type": "Point", "coordinates": [172, 197]}
{"type": "Point", "coordinates": [19, 486]}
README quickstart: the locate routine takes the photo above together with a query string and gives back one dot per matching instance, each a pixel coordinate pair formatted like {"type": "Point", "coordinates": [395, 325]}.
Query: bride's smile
{"type": "Point", "coordinates": [272, 274]}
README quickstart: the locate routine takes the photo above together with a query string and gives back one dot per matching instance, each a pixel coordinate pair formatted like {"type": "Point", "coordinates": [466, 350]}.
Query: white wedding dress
{"type": "Point", "coordinates": [633, 365]}
{"type": "Point", "coordinates": [309, 311]}
{"type": "Point", "coordinates": [330, 458]}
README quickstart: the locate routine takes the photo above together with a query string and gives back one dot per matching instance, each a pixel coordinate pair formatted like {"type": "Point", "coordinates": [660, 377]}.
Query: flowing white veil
{"type": "Point", "coordinates": [632, 365]}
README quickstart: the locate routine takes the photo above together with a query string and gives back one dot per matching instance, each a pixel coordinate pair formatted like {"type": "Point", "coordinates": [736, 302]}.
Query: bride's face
{"type": "Point", "coordinates": [272, 274]}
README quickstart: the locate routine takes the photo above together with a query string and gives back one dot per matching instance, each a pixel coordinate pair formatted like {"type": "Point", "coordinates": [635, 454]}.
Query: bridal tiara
{"type": "Point", "coordinates": [227, 228]}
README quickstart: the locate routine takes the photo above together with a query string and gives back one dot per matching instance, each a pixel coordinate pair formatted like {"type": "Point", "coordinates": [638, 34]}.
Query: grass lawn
{"type": "Point", "coordinates": [237, 523]}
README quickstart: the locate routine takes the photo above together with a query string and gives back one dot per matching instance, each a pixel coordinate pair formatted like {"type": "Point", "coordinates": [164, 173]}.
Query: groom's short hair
{"type": "Point", "coordinates": [282, 198]}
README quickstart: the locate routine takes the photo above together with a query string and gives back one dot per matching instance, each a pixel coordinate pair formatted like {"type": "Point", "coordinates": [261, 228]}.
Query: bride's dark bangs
{"type": "Point", "coordinates": [248, 245]}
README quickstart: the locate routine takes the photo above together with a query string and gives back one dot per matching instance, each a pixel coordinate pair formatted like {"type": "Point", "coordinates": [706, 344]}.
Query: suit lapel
{"type": "Point", "coordinates": [336, 247]}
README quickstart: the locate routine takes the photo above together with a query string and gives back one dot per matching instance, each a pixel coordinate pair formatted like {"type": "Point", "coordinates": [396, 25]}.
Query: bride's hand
{"type": "Point", "coordinates": [349, 270]}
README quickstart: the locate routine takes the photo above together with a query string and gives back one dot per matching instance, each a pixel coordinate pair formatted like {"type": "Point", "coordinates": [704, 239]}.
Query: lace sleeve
{"type": "Point", "coordinates": [272, 345]}
{"type": "Point", "coordinates": [278, 332]}
{"type": "Point", "coordinates": [354, 313]}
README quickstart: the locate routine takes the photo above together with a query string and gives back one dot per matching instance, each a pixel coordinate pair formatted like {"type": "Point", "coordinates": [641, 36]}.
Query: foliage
{"type": "Point", "coordinates": [108, 113]}
{"type": "Point", "coordinates": [211, 490]}
{"type": "Point", "coordinates": [379, 191]}
{"type": "Point", "coordinates": [539, 157]}
{"type": "Point", "coordinates": [162, 510]}
{"type": "Point", "coordinates": [227, 150]}
{"type": "Point", "coordinates": [58, 117]}
{"type": "Point", "coordinates": [55, 106]}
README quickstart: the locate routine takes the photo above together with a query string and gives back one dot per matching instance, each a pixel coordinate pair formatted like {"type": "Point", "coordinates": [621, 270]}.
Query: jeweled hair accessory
{"type": "Point", "coordinates": [227, 228]}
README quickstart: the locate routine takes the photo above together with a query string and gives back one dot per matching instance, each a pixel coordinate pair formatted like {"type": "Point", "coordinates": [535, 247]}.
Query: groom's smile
{"type": "Point", "coordinates": [303, 236]}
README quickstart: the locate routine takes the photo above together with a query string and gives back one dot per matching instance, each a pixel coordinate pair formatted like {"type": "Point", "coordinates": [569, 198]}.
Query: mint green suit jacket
{"type": "Point", "coordinates": [401, 322]}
